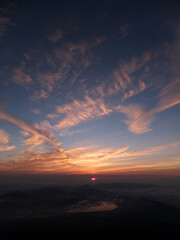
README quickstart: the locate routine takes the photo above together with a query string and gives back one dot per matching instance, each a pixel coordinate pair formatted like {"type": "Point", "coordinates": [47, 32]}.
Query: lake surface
{"type": "Point", "coordinates": [92, 207]}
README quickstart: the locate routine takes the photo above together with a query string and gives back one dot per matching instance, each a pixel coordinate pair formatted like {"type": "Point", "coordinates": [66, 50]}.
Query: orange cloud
{"type": "Point", "coordinates": [35, 161]}
{"type": "Point", "coordinates": [79, 111]}
{"type": "Point", "coordinates": [4, 139]}
{"type": "Point", "coordinates": [139, 119]}
{"type": "Point", "coordinates": [37, 130]}
{"type": "Point", "coordinates": [108, 160]}
{"type": "Point", "coordinates": [119, 160]}
{"type": "Point", "coordinates": [88, 159]}
{"type": "Point", "coordinates": [6, 147]}
{"type": "Point", "coordinates": [34, 140]}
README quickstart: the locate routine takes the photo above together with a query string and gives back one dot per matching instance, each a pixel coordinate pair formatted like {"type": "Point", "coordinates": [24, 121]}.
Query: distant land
{"type": "Point", "coordinates": [129, 210]}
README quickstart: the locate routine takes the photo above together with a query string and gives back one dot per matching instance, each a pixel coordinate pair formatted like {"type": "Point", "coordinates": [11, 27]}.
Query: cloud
{"type": "Point", "coordinates": [81, 48]}
{"type": "Point", "coordinates": [79, 111]}
{"type": "Point", "coordinates": [20, 77]}
{"type": "Point", "coordinates": [141, 86]}
{"type": "Point", "coordinates": [34, 140]}
{"type": "Point", "coordinates": [25, 134]}
{"type": "Point", "coordinates": [55, 36]}
{"type": "Point", "coordinates": [90, 159]}
{"type": "Point", "coordinates": [124, 75]}
{"type": "Point", "coordinates": [64, 64]}
{"type": "Point", "coordinates": [65, 132]}
{"type": "Point", "coordinates": [169, 96]}
{"type": "Point", "coordinates": [138, 119]}
{"type": "Point", "coordinates": [92, 156]}
{"type": "Point", "coordinates": [34, 129]}
{"type": "Point", "coordinates": [121, 159]}
{"type": "Point", "coordinates": [36, 111]}
{"type": "Point", "coordinates": [41, 94]}
{"type": "Point", "coordinates": [4, 136]}
{"type": "Point", "coordinates": [56, 69]}
{"type": "Point", "coordinates": [4, 139]}
{"type": "Point", "coordinates": [6, 147]}
{"type": "Point", "coordinates": [36, 161]}
{"type": "Point", "coordinates": [124, 30]}
{"type": "Point", "coordinates": [128, 80]}
{"type": "Point", "coordinates": [151, 150]}
{"type": "Point", "coordinates": [42, 150]}
{"type": "Point", "coordinates": [4, 22]}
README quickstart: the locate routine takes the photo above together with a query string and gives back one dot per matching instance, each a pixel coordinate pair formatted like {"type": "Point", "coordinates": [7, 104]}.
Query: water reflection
{"type": "Point", "coordinates": [92, 207]}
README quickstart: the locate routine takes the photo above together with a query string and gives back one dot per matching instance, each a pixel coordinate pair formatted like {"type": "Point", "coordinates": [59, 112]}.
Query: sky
{"type": "Point", "coordinates": [90, 87]}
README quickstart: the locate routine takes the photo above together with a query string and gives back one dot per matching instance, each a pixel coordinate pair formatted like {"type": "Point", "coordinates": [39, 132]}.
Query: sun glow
{"type": "Point", "coordinates": [93, 179]}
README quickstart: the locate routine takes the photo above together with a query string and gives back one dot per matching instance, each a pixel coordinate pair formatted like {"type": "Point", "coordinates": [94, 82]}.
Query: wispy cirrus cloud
{"type": "Point", "coordinates": [5, 20]}
{"type": "Point", "coordinates": [121, 159]}
{"type": "Point", "coordinates": [55, 36]}
{"type": "Point", "coordinates": [138, 119]}
{"type": "Point", "coordinates": [127, 80]}
{"type": "Point", "coordinates": [79, 111]}
{"type": "Point", "coordinates": [64, 64]}
{"type": "Point", "coordinates": [124, 30]}
{"type": "Point", "coordinates": [40, 147]}
{"type": "Point", "coordinates": [20, 77]}
{"type": "Point", "coordinates": [89, 159]}
{"type": "Point", "coordinates": [36, 161]}
{"type": "Point", "coordinates": [89, 155]}
{"type": "Point", "coordinates": [4, 139]}
{"type": "Point", "coordinates": [4, 136]}
{"type": "Point", "coordinates": [34, 129]}
{"type": "Point", "coordinates": [4, 148]}
{"type": "Point", "coordinates": [36, 111]}
{"type": "Point", "coordinates": [124, 81]}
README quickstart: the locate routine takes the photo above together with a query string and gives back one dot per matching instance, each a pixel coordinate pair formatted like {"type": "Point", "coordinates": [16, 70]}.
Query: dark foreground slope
{"type": "Point", "coordinates": [94, 225]}
{"type": "Point", "coordinates": [134, 217]}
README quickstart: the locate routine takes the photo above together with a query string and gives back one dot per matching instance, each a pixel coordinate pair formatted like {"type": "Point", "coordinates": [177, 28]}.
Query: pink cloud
{"type": "Point", "coordinates": [20, 77]}
{"type": "Point", "coordinates": [36, 111]}
{"type": "Point", "coordinates": [124, 30]}
{"type": "Point", "coordinates": [4, 136]}
{"type": "Point", "coordinates": [138, 120]}
{"type": "Point", "coordinates": [4, 22]}
{"type": "Point", "coordinates": [56, 36]}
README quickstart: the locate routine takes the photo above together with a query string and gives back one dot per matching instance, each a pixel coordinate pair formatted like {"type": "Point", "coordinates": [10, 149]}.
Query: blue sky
{"type": "Point", "coordinates": [89, 87]}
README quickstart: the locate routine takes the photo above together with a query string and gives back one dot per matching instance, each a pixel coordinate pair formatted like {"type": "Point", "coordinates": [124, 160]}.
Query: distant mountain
{"type": "Point", "coordinates": [15, 195]}
{"type": "Point", "coordinates": [125, 186]}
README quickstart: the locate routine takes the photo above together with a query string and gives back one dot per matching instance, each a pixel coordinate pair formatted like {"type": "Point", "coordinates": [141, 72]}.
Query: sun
{"type": "Point", "coordinates": [93, 179]}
